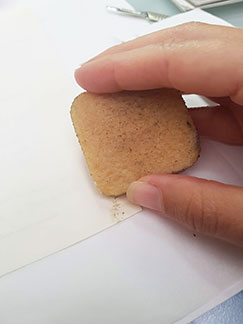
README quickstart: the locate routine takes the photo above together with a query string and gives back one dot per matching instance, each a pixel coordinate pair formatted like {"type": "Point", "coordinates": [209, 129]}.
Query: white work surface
{"type": "Point", "coordinates": [136, 272]}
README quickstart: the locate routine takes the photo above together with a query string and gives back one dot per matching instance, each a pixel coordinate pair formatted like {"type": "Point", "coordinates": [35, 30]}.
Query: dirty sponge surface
{"type": "Point", "coordinates": [130, 134]}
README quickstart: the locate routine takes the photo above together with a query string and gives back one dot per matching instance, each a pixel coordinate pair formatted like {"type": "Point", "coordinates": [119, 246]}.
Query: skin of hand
{"type": "Point", "coordinates": [193, 58]}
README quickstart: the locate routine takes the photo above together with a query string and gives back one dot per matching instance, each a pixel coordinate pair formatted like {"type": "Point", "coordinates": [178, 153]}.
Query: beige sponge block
{"type": "Point", "coordinates": [130, 134]}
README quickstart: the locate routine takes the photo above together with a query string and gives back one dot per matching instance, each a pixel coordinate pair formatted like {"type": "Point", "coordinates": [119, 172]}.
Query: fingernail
{"type": "Point", "coordinates": [84, 63]}
{"type": "Point", "coordinates": [80, 66]}
{"type": "Point", "coordinates": [146, 195]}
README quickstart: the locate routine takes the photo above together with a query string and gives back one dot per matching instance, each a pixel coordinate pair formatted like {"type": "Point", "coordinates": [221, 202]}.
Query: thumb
{"type": "Point", "coordinates": [204, 206]}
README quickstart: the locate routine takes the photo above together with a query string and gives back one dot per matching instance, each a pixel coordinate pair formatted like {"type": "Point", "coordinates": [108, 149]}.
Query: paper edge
{"type": "Point", "coordinates": [219, 299]}
{"type": "Point", "coordinates": [58, 249]}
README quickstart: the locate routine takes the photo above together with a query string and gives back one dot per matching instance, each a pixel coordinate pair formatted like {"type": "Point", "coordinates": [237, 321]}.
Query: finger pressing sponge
{"type": "Point", "coordinates": [130, 134]}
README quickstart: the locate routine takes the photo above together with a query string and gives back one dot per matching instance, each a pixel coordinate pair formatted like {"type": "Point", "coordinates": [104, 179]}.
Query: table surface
{"type": "Point", "coordinates": [41, 293]}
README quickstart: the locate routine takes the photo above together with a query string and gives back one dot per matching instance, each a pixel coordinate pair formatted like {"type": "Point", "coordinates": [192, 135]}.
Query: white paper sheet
{"type": "Point", "coordinates": [48, 200]}
{"type": "Point", "coordinates": [79, 29]}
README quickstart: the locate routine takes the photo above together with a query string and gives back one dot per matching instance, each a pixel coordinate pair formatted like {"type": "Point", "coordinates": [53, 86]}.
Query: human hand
{"type": "Point", "coordinates": [193, 58]}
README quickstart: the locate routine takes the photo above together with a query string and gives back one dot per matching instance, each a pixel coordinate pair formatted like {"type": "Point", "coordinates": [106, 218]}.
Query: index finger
{"type": "Point", "coordinates": [208, 67]}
